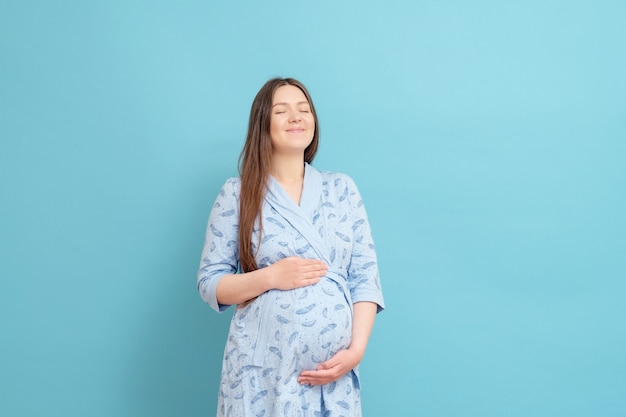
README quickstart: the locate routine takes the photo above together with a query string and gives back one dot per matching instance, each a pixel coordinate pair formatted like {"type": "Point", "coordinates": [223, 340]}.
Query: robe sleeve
{"type": "Point", "coordinates": [220, 254]}
{"type": "Point", "coordinates": [363, 276]}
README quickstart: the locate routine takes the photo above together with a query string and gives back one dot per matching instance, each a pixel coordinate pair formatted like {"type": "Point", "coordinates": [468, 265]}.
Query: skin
{"type": "Point", "coordinates": [292, 126]}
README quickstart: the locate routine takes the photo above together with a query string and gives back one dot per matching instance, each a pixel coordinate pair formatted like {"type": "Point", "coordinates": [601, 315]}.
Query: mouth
{"type": "Point", "coordinates": [295, 130]}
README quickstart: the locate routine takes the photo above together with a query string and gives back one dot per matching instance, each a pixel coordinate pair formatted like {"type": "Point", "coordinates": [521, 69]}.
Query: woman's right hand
{"type": "Point", "coordinates": [296, 272]}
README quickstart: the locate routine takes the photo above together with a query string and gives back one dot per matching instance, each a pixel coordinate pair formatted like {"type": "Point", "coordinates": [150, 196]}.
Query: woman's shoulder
{"type": "Point", "coordinates": [232, 182]}
{"type": "Point", "coordinates": [231, 187]}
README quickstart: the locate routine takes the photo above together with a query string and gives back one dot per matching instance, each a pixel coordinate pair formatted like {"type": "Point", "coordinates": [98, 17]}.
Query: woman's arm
{"type": "Point", "coordinates": [362, 324]}
{"type": "Point", "coordinates": [219, 283]}
{"type": "Point", "coordinates": [286, 274]}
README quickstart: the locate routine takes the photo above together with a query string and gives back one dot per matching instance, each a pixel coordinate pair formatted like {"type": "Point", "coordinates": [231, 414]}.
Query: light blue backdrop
{"type": "Point", "coordinates": [488, 139]}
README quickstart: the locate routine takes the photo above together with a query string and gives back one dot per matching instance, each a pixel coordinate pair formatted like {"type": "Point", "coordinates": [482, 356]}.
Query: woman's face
{"type": "Point", "coordinates": [292, 124]}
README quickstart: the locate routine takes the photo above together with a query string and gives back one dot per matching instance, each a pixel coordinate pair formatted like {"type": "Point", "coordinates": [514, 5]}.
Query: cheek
{"type": "Point", "coordinates": [274, 126]}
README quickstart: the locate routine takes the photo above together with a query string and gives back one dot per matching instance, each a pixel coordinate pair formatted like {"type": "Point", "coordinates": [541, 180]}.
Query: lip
{"type": "Point", "coordinates": [296, 130]}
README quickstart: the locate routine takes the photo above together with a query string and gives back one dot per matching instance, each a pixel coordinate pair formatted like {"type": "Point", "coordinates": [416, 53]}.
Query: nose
{"type": "Point", "coordinates": [294, 116]}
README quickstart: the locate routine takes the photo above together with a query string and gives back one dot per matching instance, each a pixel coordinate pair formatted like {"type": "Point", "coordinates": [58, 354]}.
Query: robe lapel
{"type": "Point", "coordinates": [300, 217]}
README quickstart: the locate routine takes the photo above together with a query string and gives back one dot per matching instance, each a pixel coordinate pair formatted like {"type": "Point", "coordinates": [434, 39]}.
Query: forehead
{"type": "Point", "coordinates": [288, 94]}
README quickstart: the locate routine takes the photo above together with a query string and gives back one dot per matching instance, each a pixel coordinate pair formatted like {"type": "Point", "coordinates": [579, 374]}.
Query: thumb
{"type": "Point", "coordinates": [323, 366]}
{"type": "Point", "coordinates": [329, 364]}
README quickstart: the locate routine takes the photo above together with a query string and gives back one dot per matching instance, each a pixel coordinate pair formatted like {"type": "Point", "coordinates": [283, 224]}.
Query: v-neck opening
{"type": "Point", "coordinates": [311, 192]}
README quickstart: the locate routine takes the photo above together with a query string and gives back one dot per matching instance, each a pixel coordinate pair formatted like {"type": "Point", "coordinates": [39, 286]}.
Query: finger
{"type": "Point", "coordinates": [307, 282]}
{"type": "Point", "coordinates": [310, 281]}
{"type": "Point", "coordinates": [314, 376]}
{"type": "Point", "coordinates": [315, 275]}
{"type": "Point", "coordinates": [311, 268]}
{"type": "Point", "coordinates": [317, 378]}
{"type": "Point", "coordinates": [313, 373]}
{"type": "Point", "coordinates": [313, 271]}
{"type": "Point", "coordinates": [329, 364]}
{"type": "Point", "coordinates": [314, 263]}
{"type": "Point", "coordinates": [324, 372]}
{"type": "Point", "coordinates": [310, 273]}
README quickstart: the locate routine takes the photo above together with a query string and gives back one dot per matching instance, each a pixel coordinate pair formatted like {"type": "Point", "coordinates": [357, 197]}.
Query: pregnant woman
{"type": "Point", "coordinates": [291, 248]}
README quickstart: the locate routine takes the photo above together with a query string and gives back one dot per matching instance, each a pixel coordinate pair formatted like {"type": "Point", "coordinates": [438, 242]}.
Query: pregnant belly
{"type": "Point", "coordinates": [318, 322]}
{"type": "Point", "coordinates": [298, 328]}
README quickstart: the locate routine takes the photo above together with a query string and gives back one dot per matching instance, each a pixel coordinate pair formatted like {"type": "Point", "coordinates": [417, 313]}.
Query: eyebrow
{"type": "Point", "coordinates": [286, 104]}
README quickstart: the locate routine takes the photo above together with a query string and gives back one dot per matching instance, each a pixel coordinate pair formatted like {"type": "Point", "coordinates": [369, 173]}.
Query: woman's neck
{"type": "Point", "coordinates": [287, 170]}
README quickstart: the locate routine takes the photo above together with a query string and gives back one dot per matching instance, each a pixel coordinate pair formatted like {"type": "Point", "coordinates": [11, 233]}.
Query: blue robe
{"type": "Point", "coordinates": [282, 333]}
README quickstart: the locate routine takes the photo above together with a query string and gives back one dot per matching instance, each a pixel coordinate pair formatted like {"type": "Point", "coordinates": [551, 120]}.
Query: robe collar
{"type": "Point", "coordinates": [301, 218]}
{"type": "Point", "coordinates": [310, 198]}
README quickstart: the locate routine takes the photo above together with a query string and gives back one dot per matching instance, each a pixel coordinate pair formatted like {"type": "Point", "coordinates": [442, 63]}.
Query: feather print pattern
{"type": "Point", "coordinates": [279, 334]}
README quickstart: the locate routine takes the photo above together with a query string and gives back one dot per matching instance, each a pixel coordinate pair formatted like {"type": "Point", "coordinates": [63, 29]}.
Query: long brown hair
{"type": "Point", "coordinates": [255, 162]}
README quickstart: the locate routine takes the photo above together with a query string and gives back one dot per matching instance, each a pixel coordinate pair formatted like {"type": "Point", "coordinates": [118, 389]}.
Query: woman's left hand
{"type": "Point", "coordinates": [337, 366]}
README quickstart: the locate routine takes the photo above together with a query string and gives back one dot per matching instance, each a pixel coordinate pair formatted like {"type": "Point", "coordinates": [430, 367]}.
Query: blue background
{"type": "Point", "coordinates": [488, 140]}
